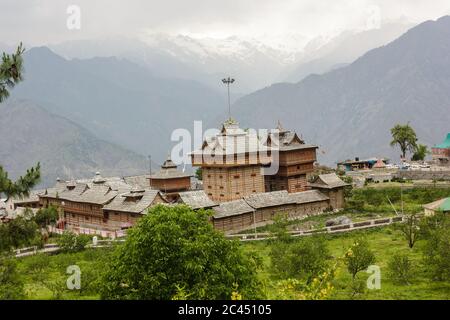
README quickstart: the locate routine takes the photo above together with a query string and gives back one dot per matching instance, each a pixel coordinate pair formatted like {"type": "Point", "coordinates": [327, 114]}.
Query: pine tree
{"type": "Point", "coordinates": [11, 69]}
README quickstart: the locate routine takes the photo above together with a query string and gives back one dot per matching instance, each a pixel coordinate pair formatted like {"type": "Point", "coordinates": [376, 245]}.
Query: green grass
{"type": "Point", "coordinates": [384, 242]}
{"type": "Point", "coordinates": [43, 273]}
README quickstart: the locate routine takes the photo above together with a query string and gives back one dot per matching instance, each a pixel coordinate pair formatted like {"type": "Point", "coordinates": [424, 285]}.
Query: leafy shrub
{"type": "Point", "coordinates": [303, 259]}
{"type": "Point", "coordinates": [70, 242]}
{"type": "Point", "coordinates": [400, 269]}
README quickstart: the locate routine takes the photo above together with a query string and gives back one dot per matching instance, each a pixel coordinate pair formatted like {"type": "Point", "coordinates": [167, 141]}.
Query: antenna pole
{"type": "Point", "coordinates": [150, 168]}
{"type": "Point", "coordinates": [228, 81]}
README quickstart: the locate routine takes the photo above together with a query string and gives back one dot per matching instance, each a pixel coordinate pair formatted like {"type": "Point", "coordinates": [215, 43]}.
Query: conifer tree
{"type": "Point", "coordinates": [11, 68]}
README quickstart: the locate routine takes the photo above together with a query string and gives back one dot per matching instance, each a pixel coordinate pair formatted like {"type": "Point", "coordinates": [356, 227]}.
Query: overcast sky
{"type": "Point", "coordinates": [39, 22]}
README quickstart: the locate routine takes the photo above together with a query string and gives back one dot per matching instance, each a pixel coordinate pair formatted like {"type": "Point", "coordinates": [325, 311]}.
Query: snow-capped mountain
{"type": "Point", "coordinates": [255, 63]}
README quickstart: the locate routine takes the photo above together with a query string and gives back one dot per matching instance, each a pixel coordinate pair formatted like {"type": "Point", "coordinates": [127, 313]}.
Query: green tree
{"type": "Point", "coordinates": [46, 216]}
{"type": "Point", "coordinates": [420, 153]}
{"type": "Point", "coordinates": [199, 174]}
{"type": "Point", "coordinates": [22, 232]}
{"type": "Point", "coordinates": [175, 247]}
{"type": "Point", "coordinates": [410, 229]}
{"type": "Point", "coordinates": [359, 257]}
{"type": "Point", "coordinates": [10, 71]}
{"type": "Point", "coordinates": [405, 137]}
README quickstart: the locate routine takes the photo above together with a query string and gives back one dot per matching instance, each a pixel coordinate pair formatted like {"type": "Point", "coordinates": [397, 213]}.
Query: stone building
{"type": "Point", "coordinates": [170, 180]}
{"type": "Point", "coordinates": [441, 152]}
{"type": "Point", "coordinates": [82, 203]}
{"type": "Point", "coordinates": [231, 163]}
{"type": "Point", "coordinates": [125, 209]}
{"type": "Point", "coordinates": [196, 199]}
{"type": "Point", "coordinates": [332, 186]}
{"type": "Point", "coordinates": [261, 209]}
{"type": "Point", "coordinates": [295, 161]}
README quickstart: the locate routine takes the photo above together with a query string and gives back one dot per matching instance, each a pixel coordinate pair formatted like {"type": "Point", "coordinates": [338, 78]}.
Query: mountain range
{"type": "Point", "coordinates": [349, 111]}
{"type": "Point", "coordinates": [256, 62]}
{"type": "Point", "coordinates": [117, 100]}
{"type": "Point", "coordinates": [30, 134]}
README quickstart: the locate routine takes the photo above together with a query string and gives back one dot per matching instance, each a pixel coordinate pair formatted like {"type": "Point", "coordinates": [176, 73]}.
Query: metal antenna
{"type": "Point", "coordinates": [228, 81]}
{"type": "Point", "coordinates": [150, 167]}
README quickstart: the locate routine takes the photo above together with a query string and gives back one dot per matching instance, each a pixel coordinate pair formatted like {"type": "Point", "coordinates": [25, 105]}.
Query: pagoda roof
{"type": "Point", "coordinates": [169, 171]}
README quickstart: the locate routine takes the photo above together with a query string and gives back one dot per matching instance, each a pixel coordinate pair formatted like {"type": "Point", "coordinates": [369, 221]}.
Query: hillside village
{"type": "Point", "coordinates": [239, 195]}
{"type": "Point", "coordinates": [233, 186]}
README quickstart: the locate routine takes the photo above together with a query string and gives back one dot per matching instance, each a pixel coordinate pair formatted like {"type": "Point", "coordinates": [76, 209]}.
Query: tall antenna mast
{"type": "Point", "coordinates": [228, 81]}
{"type": "Point", "coordinates": [150, 168]}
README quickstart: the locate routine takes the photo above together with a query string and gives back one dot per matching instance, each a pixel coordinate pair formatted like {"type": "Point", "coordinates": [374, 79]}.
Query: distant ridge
{"type": "Point", "coordinates": [348, 112]}
{"type": "Point", "coordinates": [29, 133]}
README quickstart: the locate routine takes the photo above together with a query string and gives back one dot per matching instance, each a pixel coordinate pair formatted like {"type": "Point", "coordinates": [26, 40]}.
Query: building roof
{"type": "Point", "coordinates": [135, 201]}
{"type": "Point", "coordinates": [231, 140]}
{"type": "Point", "coordinates": [269, 199]}
{"type": "Point", "coordinates": [32, 197]}
{"type": "Point", "coordinates": [232, 208]}
{"type": "Point", "coordinates": [96, 194]}
{"type": "Point", "coordinates": [308, 196]}
{"type": "Point", "coordinates": [140, 180]}
{"type": "Point", "coordinates": [379, 164]}
{"type": "Point", "coordinates": [196, 199]}
{"type": "Point", "coordinates": [328, 181]}
{"type": "Point", "coordinates": [169, 171]}
{"type": "Point", "coordinates": [442, 204]}
{"type": "Point", "coordinates": [445, 144]}
{"type": "Point", "coordinates": [285, 140]}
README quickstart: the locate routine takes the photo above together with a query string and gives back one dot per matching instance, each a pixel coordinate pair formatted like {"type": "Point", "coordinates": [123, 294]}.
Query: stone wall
{"type": "Point", "coordinates": [423, 175]}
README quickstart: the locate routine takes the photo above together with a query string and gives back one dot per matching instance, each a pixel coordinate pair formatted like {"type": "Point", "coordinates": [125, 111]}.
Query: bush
{"type": "Point", "coordinates": [400, 269]}
{"type": "Point", "coordinates": [11, 284]}
{"type": "Point", "coordinates": [302, 259]}
{"type": "Point", "coordinates": [70, 242]}
{"type": "Point", "coordinates": [437, 254]}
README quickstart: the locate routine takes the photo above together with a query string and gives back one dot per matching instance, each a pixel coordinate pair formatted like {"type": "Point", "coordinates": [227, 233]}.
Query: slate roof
{"type": "Point", "coordinates": [135, 201]}
{"type": "Point", "coordinates": [139, 180]}
{"type": "Point", "coordinates": [232, 140]}
{"type": "Point", "coordinates": [169, 171]}
{"type": "Point", "coordinates": [96, 194]}
{"type": "Point", "coordinates": [328, 181]}
{"type": "Point", "coordinates": [33, 197]}
{"type": "Point", "coordinates": [285, 140]}
{"type": "Point", "coordinates": [232, 208]}
{"type": "Point", "coordinates": [269, 199]}
{"type": "Point", "coordinates": [308, 196]}
{"type": "Point", "coordinates": [196, 199]}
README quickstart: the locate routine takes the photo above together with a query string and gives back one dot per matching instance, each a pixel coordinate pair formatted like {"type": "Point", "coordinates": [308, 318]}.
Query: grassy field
{"type": "Point", "coordinates": [45, 275]}
{"type": "Point", "coordinates": [384, 242]}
